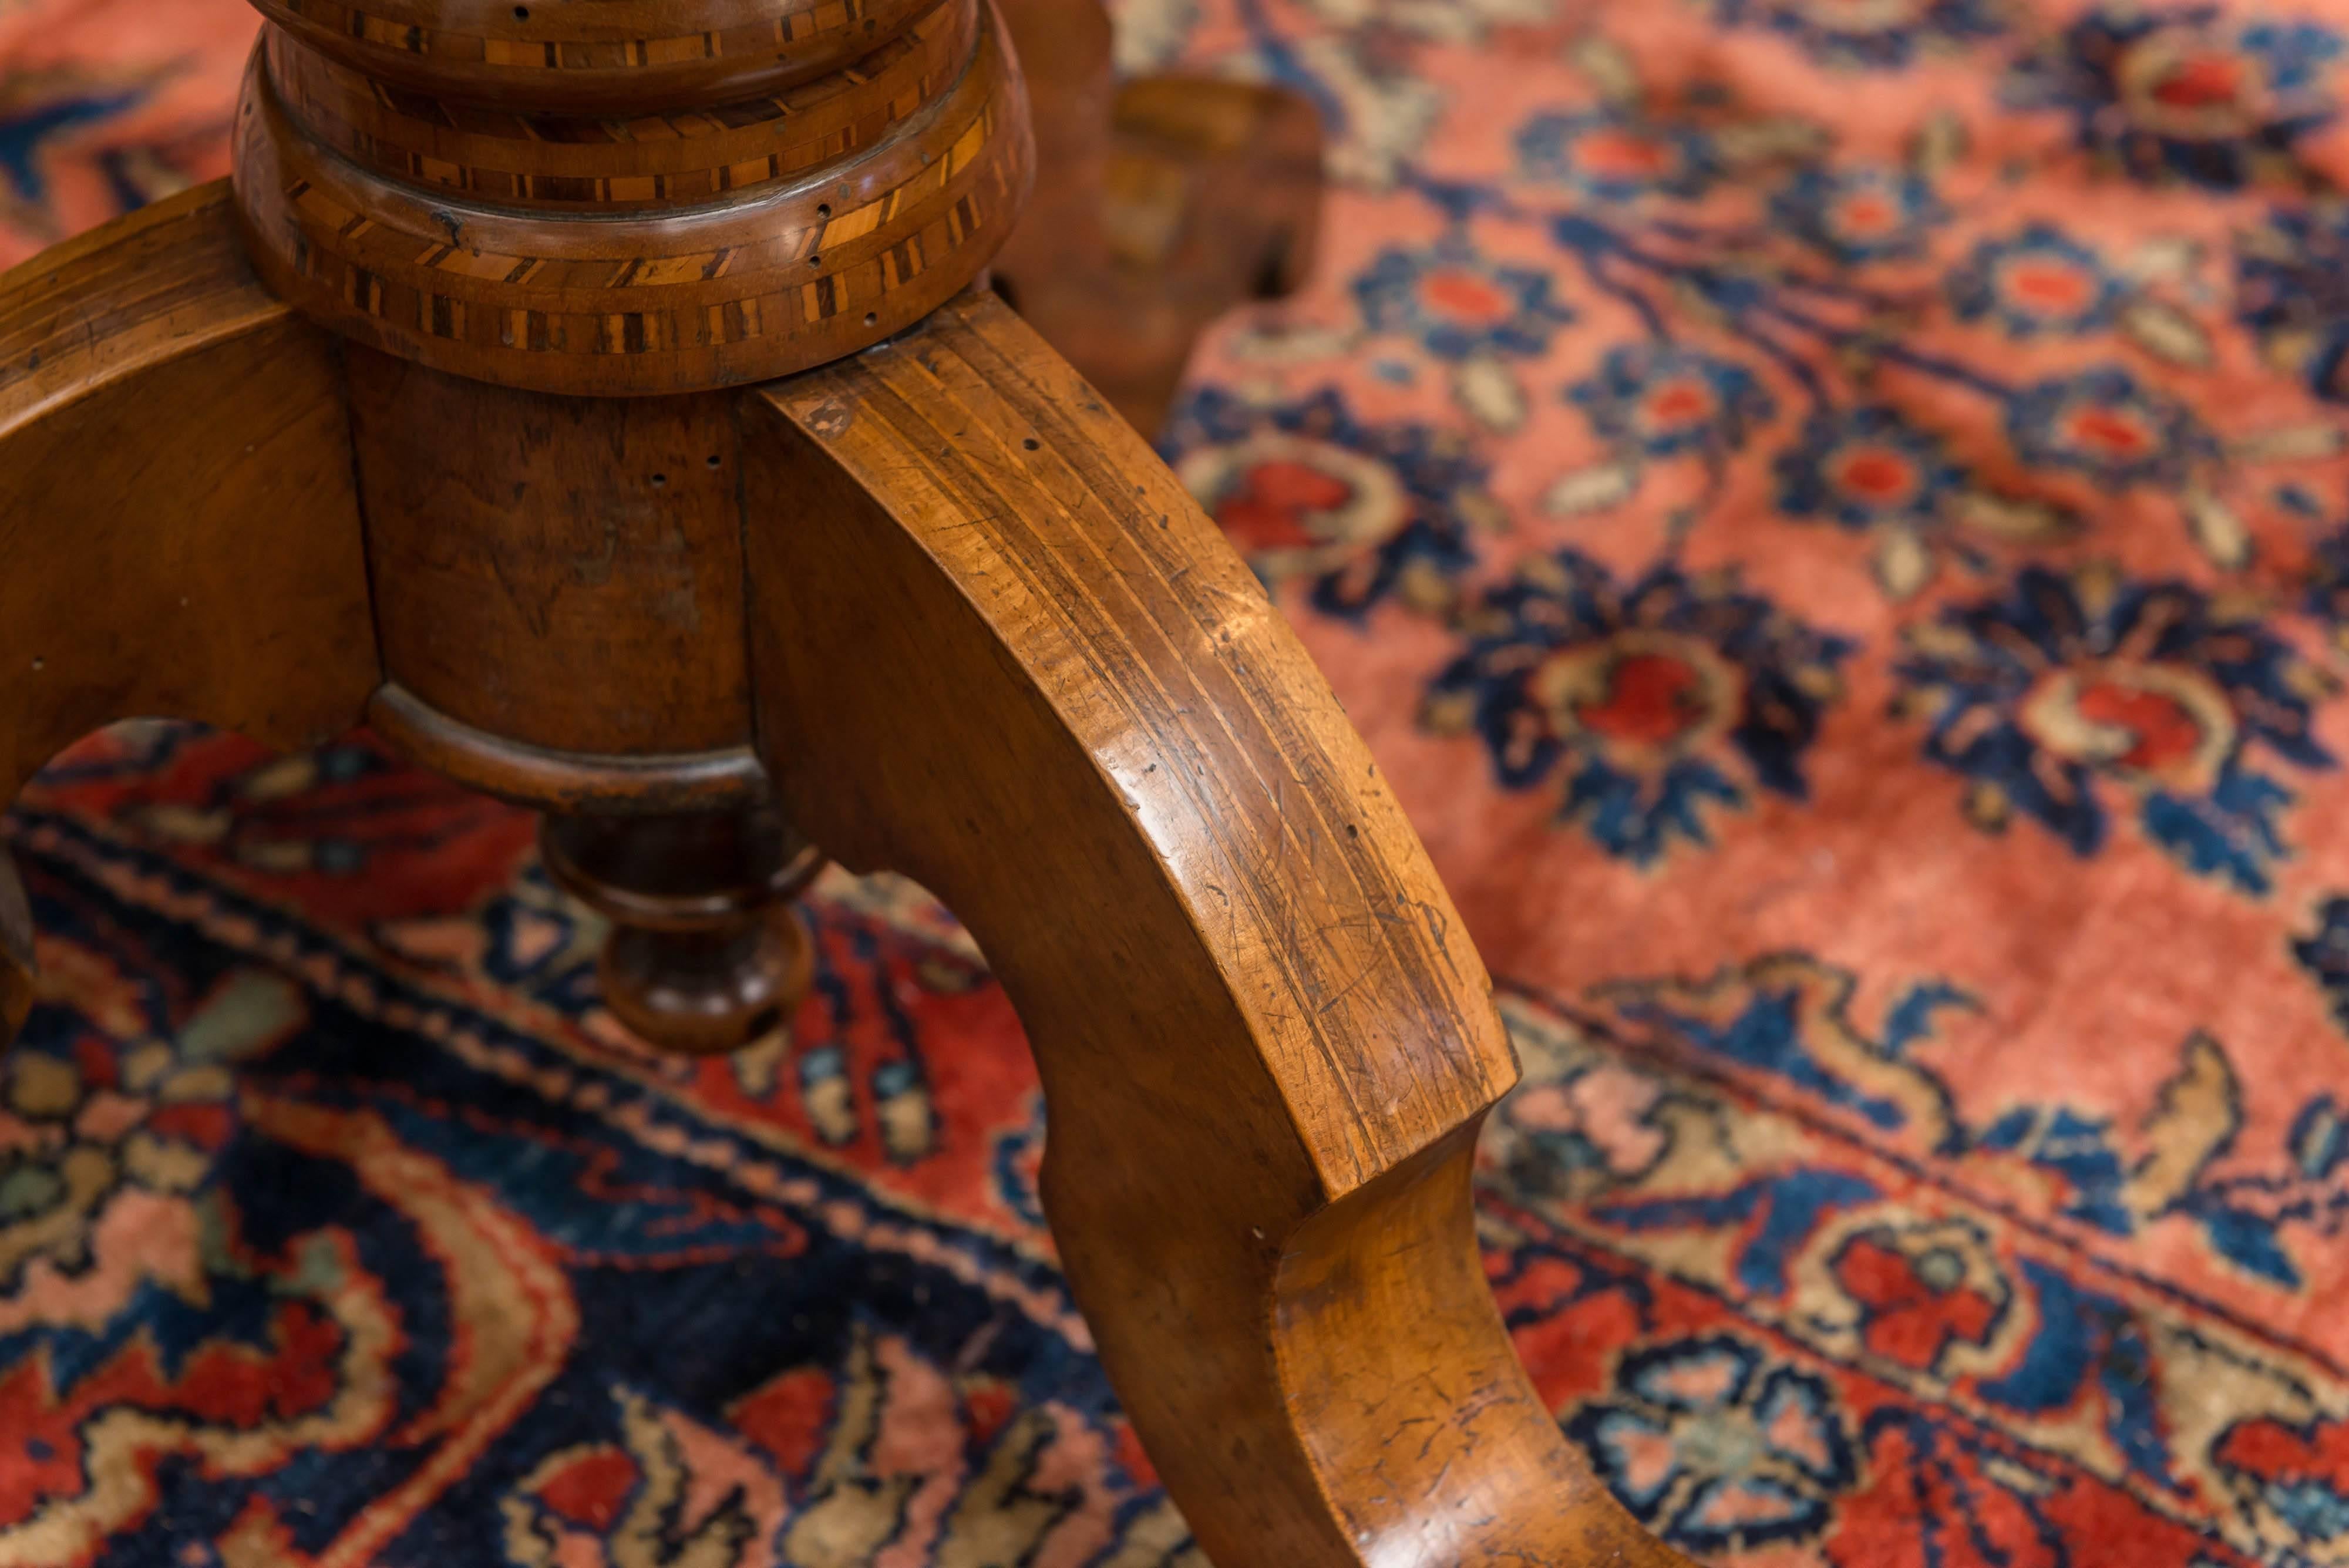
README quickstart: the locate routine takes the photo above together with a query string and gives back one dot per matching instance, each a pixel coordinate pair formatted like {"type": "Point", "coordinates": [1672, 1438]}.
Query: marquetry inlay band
{"type": "Point", "coordinates": [511, 157]}
{"type": "Point", "coordinates": [760, 283]}
{"type": "Point", "coordinates": [595, 56]}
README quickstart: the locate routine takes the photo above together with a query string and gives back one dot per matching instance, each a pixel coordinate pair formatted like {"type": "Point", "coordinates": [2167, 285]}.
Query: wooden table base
{"type": "Point", "coordinates": [368, 435]}
{"type": "Point", "coordinates": [1160, 205]}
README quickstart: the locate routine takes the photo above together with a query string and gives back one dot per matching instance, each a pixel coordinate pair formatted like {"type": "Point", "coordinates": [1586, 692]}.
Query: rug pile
{"type": "Point", "coordinates": [1834, 518]}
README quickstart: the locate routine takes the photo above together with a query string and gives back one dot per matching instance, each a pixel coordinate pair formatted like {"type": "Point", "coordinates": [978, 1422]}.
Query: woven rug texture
{"type": "Point", "coordinates": [1834, 515]}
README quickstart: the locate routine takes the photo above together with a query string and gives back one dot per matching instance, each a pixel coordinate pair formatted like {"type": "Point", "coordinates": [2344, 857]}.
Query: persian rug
{"type": "Point", "coordinates": [1833, 514]}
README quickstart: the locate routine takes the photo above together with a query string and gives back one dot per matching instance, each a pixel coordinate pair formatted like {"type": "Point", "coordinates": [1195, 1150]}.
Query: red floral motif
{"type": "Point", "coordinates": [2185, 85]}
{"type": "Point", "coordinates": [1643, 698]}
{"type": "Point", "coordinates": [1916, 1303]}
{"type": "Point", "coordinates": [1281, 503]}
{"type": "Point", "coordinates": [1619, 154]}
{"type": "Point", "coordinates": [591, 1487]}
{"type": "Point", "coordinates": [2166, 724]}
{"type": "Point", "coordinates": [2046, 285]}
{"type": "Point", "coordinates": [1875, 476]}
{"type": "Point", "coordinates": [1465, 297]}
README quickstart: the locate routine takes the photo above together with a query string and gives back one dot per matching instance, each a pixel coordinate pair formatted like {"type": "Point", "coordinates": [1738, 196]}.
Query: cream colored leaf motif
{"type": "Point", "coordinates": [1444, 21]}
{"type": "Point", "coordinates": [2167, 333]}
{"type": "Point", "coordinates": [1273, 338]}
{"type": "Point", "coordinates": [2007, 518]}
{"type": "Point", "coordinates": [850, 1514]}
{"type": "Point", "coordinates": [1782, 139]}
{"type": "Point", "coordinates": [1610, 69]}
{"type": "Point", "coordinates": [1939, 143]}
{"type": "Point", "coordinates": [670, 1522]}
{"type": "Point", "coordinates": [182, 824]}
{"type": "Point", "coordinates": [279, 777]}
{"type": "Point", "coordinates": [1904, 562]}
{"type": "Point", "coordinates": [2194, 1117]}
{"type": "Point", "coordinates": [2217, 529]}
{"type": "Point", "coordinates": [2162, 258]}
{"type": "Point", "coordinates": [2290, 443]}
{"type": "Point", "coordinates": [1593, 488]}
{"type": "Point", "coordinates": [1010, 1505]}
{"type": "Point", "coordinates": [654, 1534]}
{"type": "Point", "coordinates": [1488, 392]}
{"type": "Point", "coordinates": [1000, 1518]}
{"type": "Point", "coordinates": [1386, 117]}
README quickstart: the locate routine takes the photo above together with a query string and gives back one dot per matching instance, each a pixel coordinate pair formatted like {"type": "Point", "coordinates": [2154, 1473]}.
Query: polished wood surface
{"type": "Point", "coordinates": [561, 572]}
{"type": "Point", "coordinates": [706, 954]}
{"type": "Point", "coordinates": [1266, 1040]}
{"type": "Point", "coordinates": [176, 510]}
{"type": "Point", "coordinates": [510, 155]}
{"type": "Point", "coordinates": [564, 781]}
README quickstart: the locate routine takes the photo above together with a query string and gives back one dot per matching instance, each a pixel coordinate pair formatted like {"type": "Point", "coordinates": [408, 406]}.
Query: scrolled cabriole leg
{"type": "Point", "coordinates": [995, 648]}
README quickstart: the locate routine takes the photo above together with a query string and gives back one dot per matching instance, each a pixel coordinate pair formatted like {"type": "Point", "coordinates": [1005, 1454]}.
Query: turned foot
{"type": "Point", "coordinates": [705, 954]}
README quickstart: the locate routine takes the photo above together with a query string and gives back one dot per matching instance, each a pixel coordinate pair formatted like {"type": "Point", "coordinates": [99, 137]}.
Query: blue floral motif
{"type": "Point", "coordinates": [2074, 687]}
{"type": "Point", "coordinates": [2105, 424]}
{"type": "Point", "coordinates": [2325, 956]}
{"type": "Point", "coordinates": [1717, 1448]}
{"type": "Point", "coordinates": [1458, 305]}
{"type": "Point", "coordinates": [1617, 157]}
{"type": "Point", "coordinates": [2325, 589]}
{"type": "Point", "coordinates": [1648, 697]}
{"type": "Point", "coordinates": [2291, 288]}
{"type": "Point", "coordinates": [1308, 493]}
{"type": "Point", "coordinates": [2185, 94]}
{"type": "Point", "coordinates": [1865, 468]}
{"type": "Point", "coordinates": [2039, 281]}
{"type": "Point", "coordinates": [1878, 38]}
{"type": "Point", "coordinates": [1869, 213]}
{"type": "Point", "coordinates": [1662, 401]}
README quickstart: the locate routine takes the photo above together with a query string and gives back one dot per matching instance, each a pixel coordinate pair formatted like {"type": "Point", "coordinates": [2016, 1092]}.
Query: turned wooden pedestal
{"type": "Point", "coordinates": [601, 399]}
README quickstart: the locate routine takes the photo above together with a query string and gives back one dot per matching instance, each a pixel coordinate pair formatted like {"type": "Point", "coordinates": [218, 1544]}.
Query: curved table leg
{"type": "Point", "coordinates": [177, 519]}
{"type": "Point", "coordinates": [995, 647]}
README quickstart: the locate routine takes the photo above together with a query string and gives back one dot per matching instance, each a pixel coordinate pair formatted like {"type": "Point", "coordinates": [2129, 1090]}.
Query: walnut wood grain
{"type": "Point", "coordinates": [560, 572]}
{"type": "Point", "coordinates": [176, 508]}
{"type": "Point", "coordinates": [705, 954]}
{"type": "Point", "coordinates": [1266, 1040]}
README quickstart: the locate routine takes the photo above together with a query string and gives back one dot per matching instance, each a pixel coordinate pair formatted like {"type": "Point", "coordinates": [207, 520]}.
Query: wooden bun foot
{"type": "Point", "coordinates": [1160, 205]}
{"type": "Point", "coordinates": [705, 954]}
